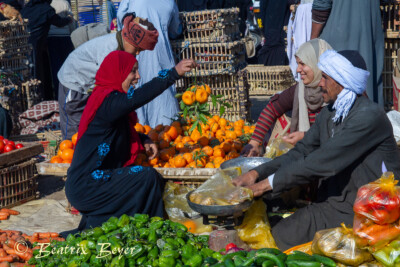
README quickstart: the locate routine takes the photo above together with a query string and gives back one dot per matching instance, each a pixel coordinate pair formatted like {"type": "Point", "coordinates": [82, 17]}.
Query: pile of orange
{"type": "Point", "coordinates": [65, 151]}
{"type": "Point", "coordinates": [219, 140]}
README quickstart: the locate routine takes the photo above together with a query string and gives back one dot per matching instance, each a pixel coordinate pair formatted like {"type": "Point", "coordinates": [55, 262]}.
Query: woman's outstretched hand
{"type": "Point", "coordinates": [252, 149]}
{"type": "Point", "coordinates": [185, 65]}
{"type": "Point", "coordinates": [151, 148]}
{"type": "Point", "coordinates": [293, 138]}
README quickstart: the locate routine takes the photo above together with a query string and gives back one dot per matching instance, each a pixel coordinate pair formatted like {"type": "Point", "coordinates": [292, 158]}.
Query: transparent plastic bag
{"type": "Point", "coordinates": [379, 201]}
{"type": "Point", "coordinates": [276, 148]}
{"type": "Point", "coordinates": [219, 190]}
{"type": "Point", "coordinates": [255, 230]}
{"type": "Point", "coordinates": [176, 205]}
{"type": "Point", "coordinates": [340, 244]}
{"type": "Point", "coordinates": [374, 236]}
{"type": "Point", "coordinates": [389, 255]}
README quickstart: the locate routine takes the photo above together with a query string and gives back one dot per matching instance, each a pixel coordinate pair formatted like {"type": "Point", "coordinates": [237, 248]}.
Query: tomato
{"type": "Point", "coordinates": [1, 147]}
{"type": "Point", "coordinates": [229, 246]}
{"type": "Point", "coordinates": [361, 208]}
{"type": "Point", "coordinates": [381, 216]}
{"type": "Point", "coordinates": [1, 137]}
{"type": "Point", "coordinates": [9, 142]}
{"type": "Point", "coordinates": [8, 148]}
{"type": "Point", "coordinates": [363, 192]}
{"type": "Point", "coordinates": [393, 203]}
{"type": "Point", "coordinates": [18, 146]}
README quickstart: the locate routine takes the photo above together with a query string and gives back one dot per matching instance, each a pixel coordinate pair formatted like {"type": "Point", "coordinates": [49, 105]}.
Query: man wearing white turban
{"type": "Point", "coordinates": [343, 150]}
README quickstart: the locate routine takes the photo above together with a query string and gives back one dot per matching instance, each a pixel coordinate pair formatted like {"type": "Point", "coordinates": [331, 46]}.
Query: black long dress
{"type": "Point", "coordinates": [342, 158]}
{"type": "Point", "coordinates": [98, 185]}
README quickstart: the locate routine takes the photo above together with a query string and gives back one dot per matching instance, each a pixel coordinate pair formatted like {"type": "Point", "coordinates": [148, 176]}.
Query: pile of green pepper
{"type": "Point", "coordinates": [143, 241]}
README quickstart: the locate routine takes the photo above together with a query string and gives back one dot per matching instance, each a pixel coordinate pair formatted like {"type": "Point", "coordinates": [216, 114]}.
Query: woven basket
{"type": "Point", "coordinates": [18, 184]}
{"type": "Point", "coordinates": [390, 11]}
{"type": "Point", "coordinates": [213, 58]}
{"type": "Point", "coordinates": [234, 88]}
{"type": "Point", "coordinates": [268, 80]}
{"type": "Point", "coordinates": [217, 25]}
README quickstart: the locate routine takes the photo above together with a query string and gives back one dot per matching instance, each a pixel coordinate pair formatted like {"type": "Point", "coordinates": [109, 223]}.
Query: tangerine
{"type": "Point", "coordinates": [163, 144]}
{"type": "Point", "coordinates": [191, 226]}
{"type": "Point", "coordinates": [188, 98]}
{"type": "Point", "coordinates": [56, 159]}
{"type": "Point", "coordinates": [201, 96]}
{"type": "Point", "coordinates": [66, 144]}
{"type": "Point", "coordinates": [203, 141]}
{"type": "Point", "coordinates": [208, 150]}
{"type": "Point", "coordinates": [219, 153]}
{"type": "Point", "coordinates": [67, 154]}
{"type": "Point", "coordinates": [74, 139]}
{"type": "Point", "coordinates": [139, 128]}
{"type": "Point", "coordinates": [67, 161]}
{"type": "Point", "coordinates": [209, 165]}
{"type": "Point", "coordinates": [147, 129]}
{"type": "Point", "coordinates": [159, 128]}
{"type": "Point", "coordinates": [173, 132]}
{"type": "Point", "coordinates": [188, 157]}
{"type": "Point", "coordinates": [179, 161]}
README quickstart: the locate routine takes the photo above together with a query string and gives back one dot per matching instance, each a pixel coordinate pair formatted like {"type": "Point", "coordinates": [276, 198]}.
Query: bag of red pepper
{"type": "Point", "coordinates": [379, 201]}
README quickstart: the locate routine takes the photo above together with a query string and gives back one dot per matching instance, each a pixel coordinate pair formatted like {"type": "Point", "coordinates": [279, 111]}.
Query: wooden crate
{"type": "Point", "coordinates": [268, 80]}
{"type": "Point", "coordinates": [217, 25]}
{"type": "Point", "coordinates": [390, 11]}
{"type": "Point", "coordinates": [18, 184]}
{"type": "Point", "coordinates": [9, 28]}
{"type": "Point", "coordinates": [234, 88]}
{"type": "Point", "coordinates": [29, 151]}
{"type": "Point", "coordinates": [391, 47]}
{"type": "Point", "coordinates": [213, 58]}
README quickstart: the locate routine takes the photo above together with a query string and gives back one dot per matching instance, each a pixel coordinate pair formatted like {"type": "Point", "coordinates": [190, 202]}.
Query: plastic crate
{"type": "Point", "coordinates": [268, 80]}
{"type": "Point", "coordinates": [18, 184]}
{"type": "Point", "coordinates": [234, 89]}
{"type": "Point", "coordinates": [213, 58]}
{"type": "Point", "coordinates": [216, 25]}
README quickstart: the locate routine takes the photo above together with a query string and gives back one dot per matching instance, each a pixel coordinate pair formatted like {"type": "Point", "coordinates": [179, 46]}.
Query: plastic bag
{"type": "Point", "coordinates": [255, 229]}
{"type": "Point", "coordinates": [176, 205]}
{"type": "Point", "coordinates": [340, 244]}
{"type": "Point", "coordinates": [277, 148]}
{"type": "Point", "coordinates": [379, 200]}
{"type": "Point", "coordinates": [389, 255]}
{"type": "Point", "coordinates": [374, 236]}
{"type": "Point", "coordinates": [306, 248]}
{"type": "Point", "coordinates": [219, 190]}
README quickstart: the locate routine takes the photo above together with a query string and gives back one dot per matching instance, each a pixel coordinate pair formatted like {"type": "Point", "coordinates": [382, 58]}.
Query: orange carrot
{"type": "Point", "coordinates": [4, 213]}
{"type": "Point", "coordinates": [45, 235]}
{"type": "Point", "coordinates": [3, 217]}
{"type": "Point", "coordinates": [54, 234]}
{"type": "Point", "coordinates": [11, 251]}
{"type": "Point", "coordinates": [43, 240]}
{"type": "Point", "coordinates": [11, 232]}
{"type": "Point", "coordinates": [367, 231]}
{"type": "Point", "coordinates": [11, 212]}
{"type": "Point", "coordinates": [35, 235]}
{"type": "Point", "coordinates": [5, 264]}
{"type": "Point", "coordinates": [25, 256]}
{"type": "Point", "coordinates": [18, 246]}
{"type": "Point", "coordinates": [7, 258]}
{"type": "Point", "coordinates": [2, 252]}
{"type": "Point", "coordinates": [302, 247]}
{"type": "Point", "coordinates": [384, 235]}
{"type": "Point", "coordinates": [5, 247]}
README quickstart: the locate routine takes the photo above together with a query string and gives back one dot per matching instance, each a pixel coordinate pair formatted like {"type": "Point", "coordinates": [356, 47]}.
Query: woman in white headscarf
{"type": "Point", "coordinates": [304, 99]}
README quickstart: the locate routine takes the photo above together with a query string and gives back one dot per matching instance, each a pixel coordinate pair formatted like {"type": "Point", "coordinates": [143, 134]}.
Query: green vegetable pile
{"type": "Point", "coordinates": [269, 257]}
{"type": "Point", "coordinates": [128, 241]}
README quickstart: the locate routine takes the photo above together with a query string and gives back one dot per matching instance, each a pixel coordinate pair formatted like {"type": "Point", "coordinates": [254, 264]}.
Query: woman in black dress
{"type": "Point", "coordinates": [102, 181]}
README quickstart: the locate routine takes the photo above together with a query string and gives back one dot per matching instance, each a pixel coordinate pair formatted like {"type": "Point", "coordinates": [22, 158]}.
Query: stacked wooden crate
{"type": "Point", "coordinates": [212, 38]}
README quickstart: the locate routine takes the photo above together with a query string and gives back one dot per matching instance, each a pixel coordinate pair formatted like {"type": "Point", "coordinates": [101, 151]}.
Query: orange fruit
{"type": "Point", "coordinates": [219, 134]}
{"type": "Point", "coordinates": [176, 124]}
{"type": "Point", "coordinates": [211, 122]}
{"type": "Point", "coordinates": [56, 159]}
{"type": "Point", "coordinates": [210, 165]}
{"type": "Point", "coordinates": [201, 162]}
{"type": "Point", "coordinates": [188, 157]}
{"type": "Point", "coordinates": [164, 154]}
{"type": "Point", "coordinates": [237, 145]}
{"type": "Point", "coordinates": [59, 153]}
{"type": "Point", "coordinates": [66, 144]}
{"type": "Point", "coordinates": [186, 139]}
{"type": "Point", "coordinates": [203, 141]}
{"type": "Point", "coordinates": [139, 128]}
{"type": "Point", "coordinates": [222, 122]}
{"type": "Point", "coordinates": [173, 132]}
{"type": "Point", "coordinates": [195, 135]}
{"type": "Point", "coordinates": [153, 135]}
{"type": "Point", "coordinates": [201, 96]}
{"type": "Point", "coordinates": [147, 129]}
{"type": "Point", "coordinates": [67, 161]}
{"type": "Point", "coordinates": [163, 144]}
{"type": "Point", "coordinates": [179, 146]}
{"type": "Point", "coordinates": [74, 139]}
{"type": "Point", "coordinates": [214, 127]}
{"type": "Point", "coordinates": [179, 161]}
{"type": "Point", "coordinates": [67, 154]}
{"type": "Point", "coordinates": [219, 153]}
{"type": "Point", "coordinates": [218, 160]}
{"type": "Point", "coordinates": [239, 123]}
{"type": "Point", "coordinates": [191, 226]}
{"type": "Point", "coordinates": [178, 139]}
{"type": "Point", "coordinates": [208, 150]}
{"type": "Point", "coordinates": [207, 88]}
{"type": "Point", "coordinates": [164, 136]}
{"type": "Point", "coordinates": [159, 128]}
{"type": "Point", "coordinates": [216, 118]}
{"type": "Point", "coordinates": [231, 135]}
{"type": "Point", "coordinates": [192, 165]}
{"type": "Point", "coordinates": [226, 147]}
{"type": "Point", "coordinates": [238, 132]}
{"type": "Point", "coordinates": [188, 98]}
{"type": "Point", "coordinates": [154, 161]}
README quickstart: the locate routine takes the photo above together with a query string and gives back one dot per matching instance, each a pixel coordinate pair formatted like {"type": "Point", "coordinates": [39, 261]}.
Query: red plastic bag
{"type": "Point", "coordinates": [374, 236]}
{"type": "Point", "coordinates": [379, 201]}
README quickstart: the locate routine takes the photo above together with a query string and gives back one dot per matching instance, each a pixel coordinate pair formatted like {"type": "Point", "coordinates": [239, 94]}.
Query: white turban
{"type": "Point", "coordinates": [353, 79]}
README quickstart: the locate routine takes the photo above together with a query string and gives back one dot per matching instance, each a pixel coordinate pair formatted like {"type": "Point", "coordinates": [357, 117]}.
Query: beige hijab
{"type": "Point", "coordinates": [310, 96]}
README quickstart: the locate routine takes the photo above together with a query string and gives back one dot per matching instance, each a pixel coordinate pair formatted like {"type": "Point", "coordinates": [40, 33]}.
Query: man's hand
{"type": "Point", "coordinates": [293, 138]}
{"type": "Point", "coordinates": [151, 148]}
{"type": "Point", "coordinates": [252, 149]}
{"type": "Point", "coordinates": [260, 188]}
{"type": "Point", "coordinates": [185, 65]}
{"type": "Point", "coordinates": [249, 178]}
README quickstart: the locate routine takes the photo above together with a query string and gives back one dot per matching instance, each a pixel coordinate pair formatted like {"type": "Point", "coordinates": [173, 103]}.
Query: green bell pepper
{"type": "Point", "coordinates": [166, 261]}
{"type": "Point", "coordinates": [137, 251]}
{"type": "Point", "coordinates": [195, 261]}
{"type": "Point", "coordinates": [152, 238]}
{"type": "Point", "coordinates": [108, 227]}
{"type": "Point", "coordinates": [206, 252]}
{"type": "Point", "coordinates": [180, 241]}
{"type": "Point", "coordinates": [155, 218]}
{"type": "Point", "coordinates": [70, 240]}
{"type": "Point", "coordinates": [170, 253]}
{"type": "Point", "coordinates": [187, 251]}
{"type": "Point", "coordinates": [141, 218]}
{"type": "Point", "coordinates": [156, 225]}
{"type": "Point", "coordinates": [140, 261]}
{"type": "Point", "coordinates": [153, 253]}
{"type": "Point", "coordinates": [143, 233]}
{"type": "Point", "coordinates": [123, 220]}
{"type": "Point", "coordinates": [96, 262]}
{"type": "Point", "coordinates": [118, 261]}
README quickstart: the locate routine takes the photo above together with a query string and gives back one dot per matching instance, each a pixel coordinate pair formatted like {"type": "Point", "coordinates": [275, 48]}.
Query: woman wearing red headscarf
{"type": "Point", "coordinates": [101, 180]}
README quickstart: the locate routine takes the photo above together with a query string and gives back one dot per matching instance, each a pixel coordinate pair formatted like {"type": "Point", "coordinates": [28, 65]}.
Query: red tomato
{"type": "Point", "coordinates": [381, 216]}
{"type": "Point", "coordinates": [1, 137]}
{"type": "Point", "coordinates": [8, 148]}
{"type": "Point", "coordinates": [18, 146]}
{"type": "Point", "coordinates": [229, 246]}
{"type": "Point", "coordinates": [393, 203]}
{"type": "Point", "coordinates": [363, 192]}
{"type": "Point", "coordinates": [361, 208]}
{"type": "Point", "coordinates": [1, 147]}
{"type": "Point", "coordinates": [9, 142]}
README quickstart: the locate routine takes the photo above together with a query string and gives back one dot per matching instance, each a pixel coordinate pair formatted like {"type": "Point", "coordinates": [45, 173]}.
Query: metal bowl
{"type": "Point", "coordinates": [246, 164]}
{"type": "Point", "coordinates": [226, 210]}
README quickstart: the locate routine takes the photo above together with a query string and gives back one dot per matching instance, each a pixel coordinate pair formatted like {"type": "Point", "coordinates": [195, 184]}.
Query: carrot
{"type": "Point", "coordinates": [11, 232]}
{"type": "Point", "coordinates": [54, 234]}
{"type": "Point", "coordinates": [43, 240]}
{"type": "Point", "coordinates": [35, 235]}
{"type": "Point", "coordinates": [11, 212]}
{"type": "Point", "coordinates": [11, 251]}
{"type": "Point", "coordinates": [384, 235]}
{"type": "Point", "coordinates": [2, 252]}
{"type": "Point", "coordinates": [18, 246]}
{"type": "Point", "coordinates": [25, 256]}
{"type": "Point", "coordinates": [5, 264]}
{"type": "Point", "coordinates": [5, 247]}
{"type": "Point", "coordinates": [7, 258]}
{"type": "Point", "coordinates": [3, 217]}
{"type": "Point", "coordinates": [302, 247]}
{"type": "Point", "coordinates": [45, 235]}
{"type": "Point", "coordinates": [4, 213]}
{"type": "Point", "coordinates": [367, 231]}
